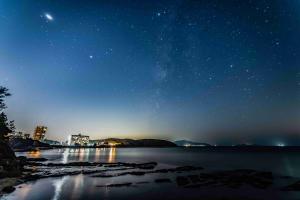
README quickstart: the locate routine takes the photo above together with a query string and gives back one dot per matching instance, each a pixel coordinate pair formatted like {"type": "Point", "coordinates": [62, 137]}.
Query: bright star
{"type": "Point", "coordinates": [91, 57]}
{"type": "Point", "coordinates": [49, 17]}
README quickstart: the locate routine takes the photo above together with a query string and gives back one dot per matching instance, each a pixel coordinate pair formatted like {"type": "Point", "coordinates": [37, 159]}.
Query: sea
{"type": "Point", "coordinates": [282, 164]}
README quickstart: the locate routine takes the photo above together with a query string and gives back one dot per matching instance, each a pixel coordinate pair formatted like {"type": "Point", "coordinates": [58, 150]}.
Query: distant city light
{"type": "Point", "coordinates": [280, 144]}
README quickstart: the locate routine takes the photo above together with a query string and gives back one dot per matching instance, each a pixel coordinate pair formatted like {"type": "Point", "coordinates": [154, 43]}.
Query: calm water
{"type": "Point", "coordinates": [84, 186]}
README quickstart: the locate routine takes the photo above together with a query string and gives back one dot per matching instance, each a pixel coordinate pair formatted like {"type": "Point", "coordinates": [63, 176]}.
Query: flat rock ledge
{"type": "Point", "coordinates": [231, 178]}
{"type": "Point", "coordinates": [190, 176]}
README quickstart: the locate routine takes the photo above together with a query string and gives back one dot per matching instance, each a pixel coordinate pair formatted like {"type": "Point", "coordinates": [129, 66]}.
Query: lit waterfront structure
{"type": "Point", "coordinates": [105, 142]}
{"type": "Point", "coordinates": [39, 133]}
{"type": "Point", "coordinates": [19, 135]}
{"type": "Point", "coordinates": [78, 140]}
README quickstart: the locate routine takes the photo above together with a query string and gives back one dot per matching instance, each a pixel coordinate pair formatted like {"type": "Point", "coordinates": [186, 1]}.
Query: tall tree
{"type": "Point", "coordinates": [3, 93]}
{"type": "Point", "coordinates": [5, 125]}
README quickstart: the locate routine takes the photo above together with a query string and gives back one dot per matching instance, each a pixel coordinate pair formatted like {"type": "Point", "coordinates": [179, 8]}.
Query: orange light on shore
{"type": "Point", "coordinates": [34, 154]}
{"type": "Point", "coordinates": [113, 144]}
{"type": "Point", "coordinates": [112, 155]}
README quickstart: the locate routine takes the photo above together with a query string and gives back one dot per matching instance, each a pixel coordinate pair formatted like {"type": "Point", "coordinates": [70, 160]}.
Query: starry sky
{"type": "Point", "coordinates": [211, 71]}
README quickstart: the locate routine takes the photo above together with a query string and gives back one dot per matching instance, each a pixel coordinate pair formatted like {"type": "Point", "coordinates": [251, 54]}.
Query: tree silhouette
{"type": "Point", "coordinates": [5, 125]}
{"type": "Point", "coordinates": [3, 93]}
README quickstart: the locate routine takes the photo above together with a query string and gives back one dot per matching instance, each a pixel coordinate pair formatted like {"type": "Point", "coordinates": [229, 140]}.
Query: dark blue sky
{"type": "Point", "coordinates": [202, 70]}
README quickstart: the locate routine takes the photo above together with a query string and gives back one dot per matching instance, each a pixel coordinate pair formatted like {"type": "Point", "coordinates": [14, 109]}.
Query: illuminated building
{"type": "Point", "coordinates": [79, 140]}
{"type": "Point", "coordinates": [39, 133]}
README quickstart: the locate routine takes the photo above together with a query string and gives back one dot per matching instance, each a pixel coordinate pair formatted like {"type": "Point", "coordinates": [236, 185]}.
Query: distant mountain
{"type": "Point", "coordinates": [190, 143]}
{"type": "Point", "coordinates": [136, 143]}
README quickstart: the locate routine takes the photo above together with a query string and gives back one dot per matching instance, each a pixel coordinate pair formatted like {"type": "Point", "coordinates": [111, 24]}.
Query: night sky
{"type": "Point", "coordinates": [210, 71]}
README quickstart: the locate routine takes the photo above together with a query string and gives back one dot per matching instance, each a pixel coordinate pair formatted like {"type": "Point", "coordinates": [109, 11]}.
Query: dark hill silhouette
{"type": "Point", "coordinates": [139, 143]}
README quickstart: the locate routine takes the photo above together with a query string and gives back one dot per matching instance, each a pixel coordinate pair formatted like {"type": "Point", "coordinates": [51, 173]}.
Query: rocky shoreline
{"type": "Point", "coordinates": [184, 176]}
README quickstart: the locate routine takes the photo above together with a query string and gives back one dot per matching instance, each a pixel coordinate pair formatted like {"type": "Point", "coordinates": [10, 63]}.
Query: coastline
{"type": "Point", "coordinates": [193, 178]}
{"type": "Point", "coordinates": [184, 177]}
{"type": "Point", "coordinates": [204, 149]}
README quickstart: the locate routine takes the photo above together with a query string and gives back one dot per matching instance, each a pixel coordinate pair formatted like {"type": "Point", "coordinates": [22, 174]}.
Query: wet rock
{"type": "Point", "coordinates": [187, 168]}
{"type": "Point", "coordinates": [141, 173]}
{"type": "Point", "coordinates": [36, 159]}
{"type": "Point", "coordinates": [48, 174]}
{"type": "Point", "coordinates": [178, 169]}
{"type": "Point", "coordinates": [150, 165]}
{"type": "Point", "coordinates": [136, 173]}
{"type": "Point", "coordinates": [74, 164]}
{"type": "Point", "coordinates": [194, 178]}
{"type": "Point", "coordinates": [161, 171]}
{"type": "Point", "coordinates": [142, 182]}
{"type": "Point", "coordinates": [103, 176]}
{"type": "Point", "coordinates": [116, 185]}
{"type": "Point", "coordinates": [162, 180]}
{"type": "Point", "coordinates": [182, 181]}
{"type": "Point", "coordinates": [8, 189]}
{"type": "Point", "coordinates": [231, 178]}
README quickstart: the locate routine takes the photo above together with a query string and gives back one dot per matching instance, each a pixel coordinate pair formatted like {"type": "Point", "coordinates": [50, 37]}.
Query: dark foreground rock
{"type": "Point", "coordinates": [142, 182]}
{"type": "Point", "coordinates": [141, 173]}
{"type": "Point", "coordinates": [149, 165]}
{"type": "Point", "coordinates": [162, 180]}
{"type": "Point", "coordinates": [116, 185]}
{"type": "Point", "coordinates": [182, 181]}
{"type": "Point", "coordinates": [231, 178]}
{"type": "Point", "coordinates": [8, 189]}
{"type": "Point", "coordinates": [186, 176]}
{"type": "Point", "coordinates": [10, 165]}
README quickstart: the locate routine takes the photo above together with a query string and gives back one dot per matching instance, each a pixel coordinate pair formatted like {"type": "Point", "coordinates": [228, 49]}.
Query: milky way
{"type": "Point", "coordinates": [212, 71]}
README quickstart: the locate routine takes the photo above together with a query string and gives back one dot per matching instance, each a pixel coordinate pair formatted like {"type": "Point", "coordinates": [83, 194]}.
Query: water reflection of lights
{"type": "Point", "coordinates": [97, 154]}
{"type": "Point", "coordinates": [58, 187]}
{"type": "Point", "coordinates": [66, 155]}
{"type": "Point", "coordinates": [112, 154]}
{"type": "Point", "coordinates": [81, 155]}
{"type": "Point", "coordinates": [77, 187]}
{"type": "Point", "coordinates": [34, 154]}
